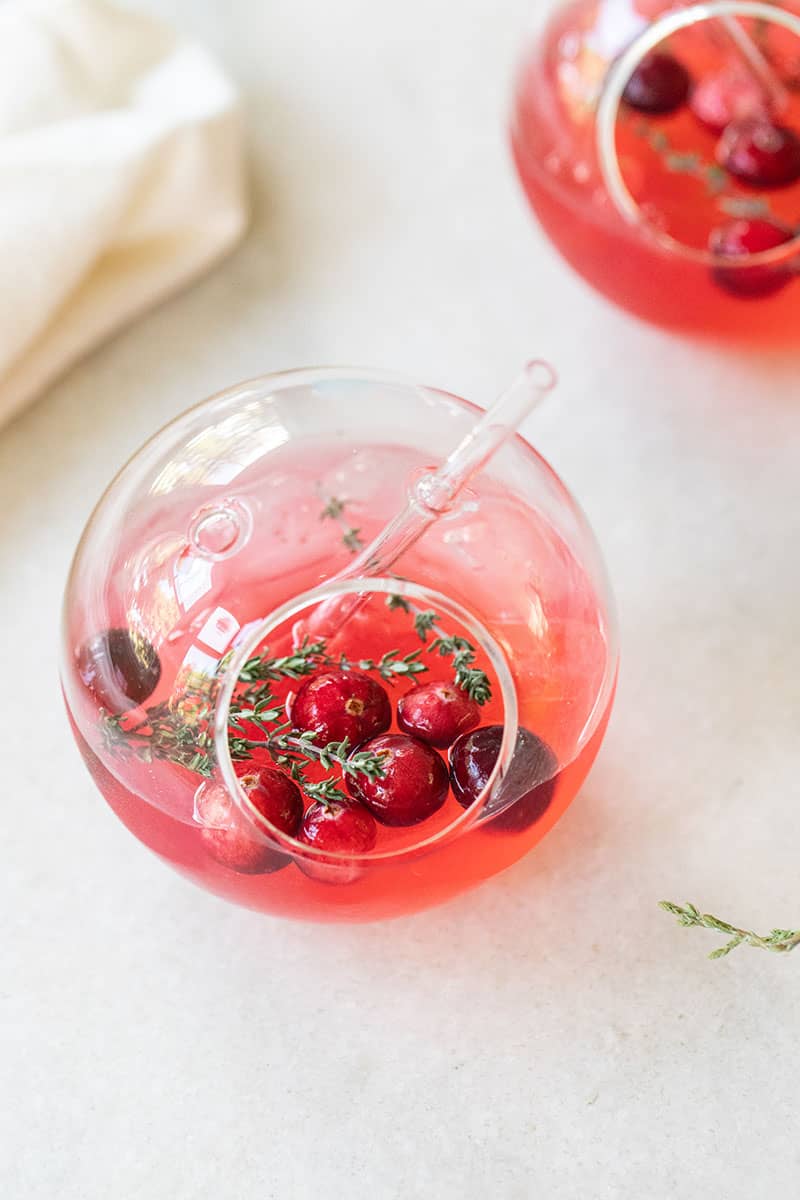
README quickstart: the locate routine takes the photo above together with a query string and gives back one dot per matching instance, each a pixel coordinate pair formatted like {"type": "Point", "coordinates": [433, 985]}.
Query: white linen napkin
{"type": "Point", "coordinates": [121, 178]}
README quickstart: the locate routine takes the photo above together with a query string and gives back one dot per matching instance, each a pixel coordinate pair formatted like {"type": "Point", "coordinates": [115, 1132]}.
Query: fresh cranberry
{"type": "Point", "coordinates": [531, 776]}
{"type": "Point", "coordinates": [437, 713]}
{"type": "Point", "coordinates": [230, 837]}
{"type": "Point", "coordinates": [732, 95]}
{"type": "Point", "coordinates": [760, 153]}
{"type": "Point", "coordinates": [413, 786]}
{"type": "Point", "coordinates": [341, 704]}
{"type": "Point", "coordinates": [660, 84]}
{"type": "Point", "coordinates": [120, 668]}
{"type": "Point", "coordinates": [341, 828]}
{"type": "Point", "coordinates": [738, 239]}
{"type": "Point", "coordinates": [276, 797]}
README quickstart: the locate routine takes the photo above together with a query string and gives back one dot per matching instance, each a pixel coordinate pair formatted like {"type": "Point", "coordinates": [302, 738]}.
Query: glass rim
{"type": "Point", "coordinates": [614, 84]}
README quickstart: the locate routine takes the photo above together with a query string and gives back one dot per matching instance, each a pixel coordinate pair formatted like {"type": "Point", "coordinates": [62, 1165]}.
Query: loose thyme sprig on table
{"type": "Point", "coordinates": [779, 941]}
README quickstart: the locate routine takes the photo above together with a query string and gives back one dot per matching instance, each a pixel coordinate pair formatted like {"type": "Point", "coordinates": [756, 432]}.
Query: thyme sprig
{"type": "Point", "coordinates": [469, 678]}
{"type": "Point", "coordinates": [305, 660]}
{"type": "Point", "coordinates": [714, 176]}
{"type": "Point", "coordinates": [179, 730]}
{"type": "Point", "coordinates": [388, 665]}
{"type": "Point", "coordinates": [293, 751]}
{"type": "Point", "coordinates": [351, 534]}
{"type": "Point", "coordinates": [163, 733]}
{"type": "Point", "coordinates": [779, 941]}
{"type": "Point", "coordinates": [716, 179]}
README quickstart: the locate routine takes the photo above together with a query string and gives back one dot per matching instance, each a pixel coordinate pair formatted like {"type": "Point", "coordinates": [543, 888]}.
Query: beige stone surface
{"type": "Point", "coordinates": [551, 1034]}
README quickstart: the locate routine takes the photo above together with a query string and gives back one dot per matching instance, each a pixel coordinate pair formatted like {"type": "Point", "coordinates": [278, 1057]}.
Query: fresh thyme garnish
{"type": "Point", "coordinates": [424, 622]}
{"type": "Point", "coordinates": [715, 177]}
{"type": "Point", "coordinates": [334, 511]}
{"type": "Point", "coordinates": [180, 730]}
{"type": "Point", "coordinates": [163, 733]}
{"type": "Point", "coordinates": [469, 678]}
{"type": "Point", "coordinates": [292, 751]}
{"type": "Point", "coordinates": [779, 941]}
{"type": "Point", "coordinates": [303, 661]}
{"type": "Point", "coordinates": [388, 665]}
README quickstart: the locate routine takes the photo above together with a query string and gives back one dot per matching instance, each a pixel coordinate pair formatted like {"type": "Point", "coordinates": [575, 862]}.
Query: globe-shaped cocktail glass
{"type": "Point", "coordinates": [317, 745]}
{"type": "Point", "coordinates": [659, 146]}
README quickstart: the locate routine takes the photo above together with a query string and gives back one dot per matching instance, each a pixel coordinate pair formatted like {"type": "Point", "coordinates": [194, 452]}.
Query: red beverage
{"type": "Point", "coordinates": [225, 662]}
{"type": "Point", "coordinates": [661, 153]}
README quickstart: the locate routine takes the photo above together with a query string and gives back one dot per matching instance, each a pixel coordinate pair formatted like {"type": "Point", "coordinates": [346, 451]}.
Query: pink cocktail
{"type": "Point", "coordinates": [659, 146]}
{"type": "Point", "coordinates": [222, 708]}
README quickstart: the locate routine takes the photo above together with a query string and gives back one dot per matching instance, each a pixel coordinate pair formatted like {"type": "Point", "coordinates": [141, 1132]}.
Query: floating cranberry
{"type": "Point", "coordinates": [276, 797]}
{"type": "Point", "coordinates": [531, 776]}
{"type": "Point", "coordinates": [341, 704]}
{"type": "Point", "coordinates": [738, 239]}
{"type": "Point", "coordinates": [413, 786]}
{"type": "Point", "coordinates": [660, 84]}
{"type": "Point", "coordinates": [232, 839]}
{"type": "Point", "coordinates": [760, 153]}
{"type": "Point", "coordinates": [120, 668]}
{"type": "Point", "coordinates": [437, 713]}
{"type": "Point", "coordinates": [340, 828]}
{"type": "Point", "coordinates": [732, 95]}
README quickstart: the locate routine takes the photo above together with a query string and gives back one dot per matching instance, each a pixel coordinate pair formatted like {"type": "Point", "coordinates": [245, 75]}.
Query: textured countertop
{"type": "Point", "coordinates": [552, 1033]}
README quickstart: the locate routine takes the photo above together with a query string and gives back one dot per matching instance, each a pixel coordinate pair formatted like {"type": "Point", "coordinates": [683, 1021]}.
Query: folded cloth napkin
{"type": "Point", "coordinates": [120, 178]}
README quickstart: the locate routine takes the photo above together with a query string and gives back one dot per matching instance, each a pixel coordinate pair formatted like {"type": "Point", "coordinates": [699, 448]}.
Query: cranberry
{"type": "Point", "coordinates": [760, 153]}
{"type": "Point", "coordinates": [276, 797]}
{"type": "Point", "coordinates": [531, 776]}
{"type": "Point", "coordinates": [732, 95]}
{"type": "Point", "coordinates": [339, 827]}
{"type": "Point", "coordinates": [341, 704]}
{"type": "Point", "coordinates": [740, 238]}
{"type": "Point", "coordinates": [414, 784]}
{"type": "Point", "coordinates": [437, 713]}
{"type": "Point", "coordinates": [660, 84]}
{"type": "Point", "coordinates": [120, 668]}
{"type": "Point", "coordinates": [228, 835]}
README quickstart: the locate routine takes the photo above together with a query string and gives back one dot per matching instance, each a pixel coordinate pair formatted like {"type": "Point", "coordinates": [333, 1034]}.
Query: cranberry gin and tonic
{"type": "Point", "coordinates": [659, 146]}
{"type": "Point", "coordinates": [323, 747]}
